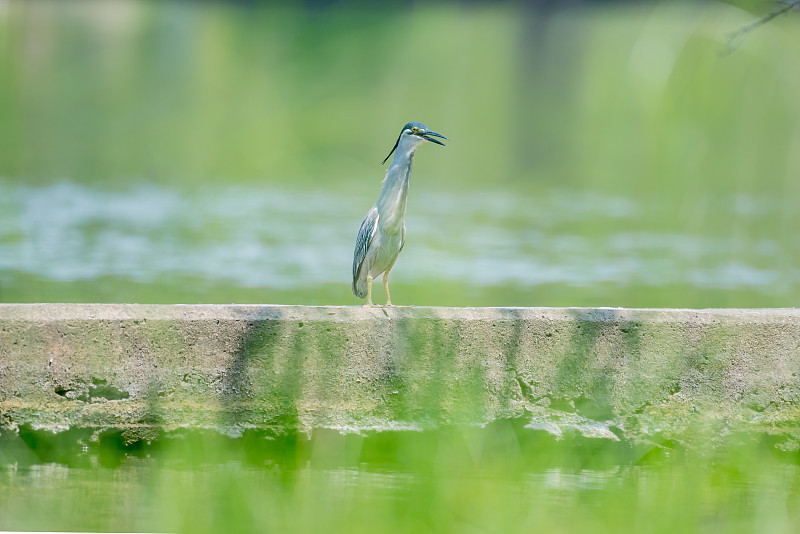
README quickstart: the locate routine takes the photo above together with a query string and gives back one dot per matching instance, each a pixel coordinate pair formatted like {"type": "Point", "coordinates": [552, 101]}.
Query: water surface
{"type": "Point", "coordinates": [289, 239]}
{"type": "Point", "coordinates": [500, 478]}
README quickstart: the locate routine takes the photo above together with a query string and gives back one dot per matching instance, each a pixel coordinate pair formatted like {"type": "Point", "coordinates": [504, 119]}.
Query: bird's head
{"type": "Point", "coordinates": [416, 133]}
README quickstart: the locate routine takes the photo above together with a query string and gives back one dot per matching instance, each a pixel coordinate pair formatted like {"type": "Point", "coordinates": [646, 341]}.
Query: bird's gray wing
{"type": "Point", "coordinates": [365, 234]}
{"type": "Point", "coordinates": [402, 239]}
{"type": "Point", "coordinates": [402, 244]}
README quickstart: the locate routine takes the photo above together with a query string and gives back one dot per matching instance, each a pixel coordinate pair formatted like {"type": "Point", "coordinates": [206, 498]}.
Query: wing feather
{"type": "Point", "coordinates": [402, 239]}
{"type": "Point", "coordinates": [369, 225]}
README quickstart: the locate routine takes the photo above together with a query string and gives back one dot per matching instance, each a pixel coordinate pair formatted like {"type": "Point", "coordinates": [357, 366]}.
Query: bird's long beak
{"type": "Point", "coordinates": [429, 135]}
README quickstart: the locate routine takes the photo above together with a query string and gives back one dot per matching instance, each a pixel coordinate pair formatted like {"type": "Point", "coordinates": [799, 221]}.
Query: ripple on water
{"type": "Point", "coordinates": [278, 238]}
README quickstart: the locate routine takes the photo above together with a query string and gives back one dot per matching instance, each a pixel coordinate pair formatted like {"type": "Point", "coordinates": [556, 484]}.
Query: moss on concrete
{"type": "Point", "coordinates": [604, 373]}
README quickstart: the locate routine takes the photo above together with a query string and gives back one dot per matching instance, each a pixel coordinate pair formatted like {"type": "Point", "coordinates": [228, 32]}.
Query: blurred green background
{"type": "Point", "coordinates": [600, 154]}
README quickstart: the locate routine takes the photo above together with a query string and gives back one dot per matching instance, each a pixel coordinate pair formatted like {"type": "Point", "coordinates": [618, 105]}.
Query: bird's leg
{"type": "Point", "coordinates": [369, 290]}
{"type": "Point", "coordinates": [388, 297]}
{"type": "Point", "coordinates": [386, 288]}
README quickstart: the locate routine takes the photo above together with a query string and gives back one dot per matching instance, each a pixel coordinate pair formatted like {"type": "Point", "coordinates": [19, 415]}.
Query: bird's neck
{"type": "Point", "coordinates": [392, 200]}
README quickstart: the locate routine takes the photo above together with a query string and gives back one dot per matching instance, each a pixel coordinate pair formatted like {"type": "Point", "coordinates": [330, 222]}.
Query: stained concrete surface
{"type": "Point", "coordinates": [629, 374]}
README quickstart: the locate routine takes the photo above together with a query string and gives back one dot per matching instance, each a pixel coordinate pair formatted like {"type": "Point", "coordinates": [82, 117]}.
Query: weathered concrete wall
{"type": "Point", "coordinates": [608, 373]}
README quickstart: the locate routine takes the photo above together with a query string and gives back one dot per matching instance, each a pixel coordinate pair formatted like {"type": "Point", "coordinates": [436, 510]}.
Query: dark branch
{"type": "Point", "coordinates": [737, 38]}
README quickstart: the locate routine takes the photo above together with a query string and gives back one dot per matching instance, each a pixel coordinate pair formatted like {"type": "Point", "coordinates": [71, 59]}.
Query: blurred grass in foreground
{"type": "Point", "coordinates": [502, 478]}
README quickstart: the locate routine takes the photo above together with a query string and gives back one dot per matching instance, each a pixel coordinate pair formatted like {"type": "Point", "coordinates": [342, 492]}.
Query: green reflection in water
{"type": "Point", "coordinates": [498, 478]}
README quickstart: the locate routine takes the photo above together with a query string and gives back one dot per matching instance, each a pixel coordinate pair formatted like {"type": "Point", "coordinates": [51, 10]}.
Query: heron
{"type": "Point", "coordinates": [383, 230]}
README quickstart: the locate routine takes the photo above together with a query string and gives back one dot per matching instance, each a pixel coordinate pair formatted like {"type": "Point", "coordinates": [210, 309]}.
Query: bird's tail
{"type": "Point", "coordinates": [360, 287]}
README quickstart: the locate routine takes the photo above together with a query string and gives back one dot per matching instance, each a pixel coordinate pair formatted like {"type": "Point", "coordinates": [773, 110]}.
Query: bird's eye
{"type": "Point", "coordinates": [414, 129]}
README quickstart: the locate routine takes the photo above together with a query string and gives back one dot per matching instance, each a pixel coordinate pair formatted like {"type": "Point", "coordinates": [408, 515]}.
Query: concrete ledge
{"type": "Point", "coordinates": [606, 373]}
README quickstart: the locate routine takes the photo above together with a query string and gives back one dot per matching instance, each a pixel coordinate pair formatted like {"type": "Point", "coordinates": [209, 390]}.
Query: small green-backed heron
{"type": "Point", "coordinates": [383, 229]}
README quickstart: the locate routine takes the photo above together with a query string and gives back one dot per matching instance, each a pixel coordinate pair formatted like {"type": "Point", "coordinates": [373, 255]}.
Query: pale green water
{"type": "Point", "coordinates": [197, 152]}
{"type": "Point", "coordinates": [502, 478]}
{"type": "Point", "coordinates": [554, 248]}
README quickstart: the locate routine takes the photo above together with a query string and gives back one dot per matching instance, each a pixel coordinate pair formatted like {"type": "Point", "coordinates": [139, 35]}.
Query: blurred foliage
{"type": "Point", "coordinates": [624, 99]}
{"type": "Point", "coordinates": [629, 97]}
{"type": "Point", "coordinates": [500, 478]}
